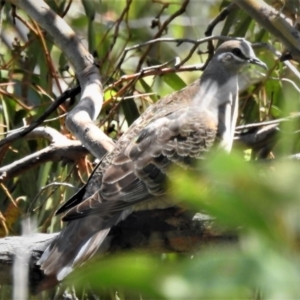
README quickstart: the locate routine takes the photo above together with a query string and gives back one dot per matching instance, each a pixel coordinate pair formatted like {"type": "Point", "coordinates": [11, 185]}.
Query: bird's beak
{"type": "Point", "coordinates": [256, 61]}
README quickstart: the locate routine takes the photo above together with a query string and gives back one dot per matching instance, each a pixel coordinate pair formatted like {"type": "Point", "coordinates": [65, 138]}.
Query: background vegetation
{"type": "Point", "coordinates": [255, 191]}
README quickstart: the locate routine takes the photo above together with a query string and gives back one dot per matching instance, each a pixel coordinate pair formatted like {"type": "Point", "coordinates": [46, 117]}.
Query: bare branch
{"type": "Point", "coordinates": [272, 122]}
{"type": "Point", "coordinates": [155, 70]}
{"type": "Point", "coordinates": [162, 28]}
{"type": "Point", "coordinates": [61, 149]}
{"type": "Point", "coordinates": [274, 22]}
{"type": "Point", "coordinates": [156, 231]}
{"type": "Point", "coordinates": [24, 131]}
{"type": "Point", "coordinates": [80, 120]}
{"type": "Point", "coordinates": [219, 18]}
{"type": "Point", "coordinates": [49, 133]}
{"type": "Point", "coordinates": [195, 43]}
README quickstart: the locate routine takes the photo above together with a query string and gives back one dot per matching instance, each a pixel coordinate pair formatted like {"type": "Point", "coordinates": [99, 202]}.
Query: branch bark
{"type": "Point", "coordinates": [80, 120]}
{"type": "Point", "coordinates": [158, 231]}
{"type": "Point", "coordinates": [274, 22]}
{"type": "Point", "coordinates": [60, 149]}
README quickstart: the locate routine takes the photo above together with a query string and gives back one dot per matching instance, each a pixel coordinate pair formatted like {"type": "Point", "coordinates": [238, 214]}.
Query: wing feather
{"type": "Point", "coordinates": [139, 171]}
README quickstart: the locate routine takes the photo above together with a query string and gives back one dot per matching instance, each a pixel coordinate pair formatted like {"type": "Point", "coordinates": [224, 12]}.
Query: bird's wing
{"type": "Point", "coordinates": [165, 106]}
{"type": "Point", "coordinates": [139, 171]}
{"type": "Point", "coordinates": [78, 197]}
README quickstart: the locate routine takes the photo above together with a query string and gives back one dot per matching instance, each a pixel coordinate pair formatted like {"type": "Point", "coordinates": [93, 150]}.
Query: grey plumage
{"type": "Point", "coordinates": [178, 129]}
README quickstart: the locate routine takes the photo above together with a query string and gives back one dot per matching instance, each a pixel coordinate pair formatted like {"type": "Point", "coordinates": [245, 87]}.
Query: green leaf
{"type": "Point", "coordinates": [238, 194]}
{"type": "Point", "coordinates": [130, 110]}
{"type": "Point", "coordinates": [132, 272]}
{"type": "Point", "coordinates": [89, 8]}
{"type": "Point", "coordinates": [148, 89]}
{"type": "Point", "coordinates": [174, 81]}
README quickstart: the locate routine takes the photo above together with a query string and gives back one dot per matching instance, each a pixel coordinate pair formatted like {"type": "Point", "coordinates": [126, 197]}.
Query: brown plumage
{"type": "Point", "coordinates": [178, 129]}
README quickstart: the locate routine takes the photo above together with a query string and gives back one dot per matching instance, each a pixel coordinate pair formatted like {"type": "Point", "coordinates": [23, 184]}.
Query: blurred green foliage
{"type": "Point", "coordinates": [259, 201]}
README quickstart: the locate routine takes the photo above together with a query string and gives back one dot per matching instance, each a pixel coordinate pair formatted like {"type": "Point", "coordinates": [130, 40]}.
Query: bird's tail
{"type": "Point", "coordinates": [75, 244]}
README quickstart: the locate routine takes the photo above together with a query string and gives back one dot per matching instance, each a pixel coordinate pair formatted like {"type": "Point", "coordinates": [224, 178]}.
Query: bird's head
{"type": "Point", "coordinates": [219, 80]}
{"type": "Point", "coordinates": [235, 54]}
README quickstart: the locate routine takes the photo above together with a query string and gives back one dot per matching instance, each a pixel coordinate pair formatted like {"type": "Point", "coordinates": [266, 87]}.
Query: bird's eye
{"type": "Point", "coordinates": [237, 52]}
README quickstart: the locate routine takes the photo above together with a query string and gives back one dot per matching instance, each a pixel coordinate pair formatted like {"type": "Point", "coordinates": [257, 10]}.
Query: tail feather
{"type": "Point", "coordinates": [85, 252]}
{"type": "Point", "coordinates": [79, 241]}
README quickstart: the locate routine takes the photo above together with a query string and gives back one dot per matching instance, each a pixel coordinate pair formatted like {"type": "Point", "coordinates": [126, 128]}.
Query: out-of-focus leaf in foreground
{"type": "Point", "coordinates": [261, 198]}
{"type": "Point", "coordinates": [135, 273]}
{"type": "Point", "coordinates": [259, 201]}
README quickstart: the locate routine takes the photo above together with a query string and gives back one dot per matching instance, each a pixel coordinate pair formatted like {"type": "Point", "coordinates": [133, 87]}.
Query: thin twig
{"type": "Point", "coordinates": [66, 8]}
{"type": "Point", "coordinates": [61, 99]}
{"type": "Point", "coordinates": [259, 124]}
{"type": "Point", "coordinates": [155, 71]}
{"type": "Point", "coordinates": [219, 18]}
{"type": "Point", "coordinates": [196, 43]}
{"type": "Point", "coordinates": [180, 11]}
{"type": "Point", "coordinates": [117, 27]}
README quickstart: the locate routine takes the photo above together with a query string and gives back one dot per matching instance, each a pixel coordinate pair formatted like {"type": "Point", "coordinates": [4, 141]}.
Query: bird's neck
{"type": "Point", "coordinates": [218, 72]}
{"type": "Point", "coordinates": [217, 86]}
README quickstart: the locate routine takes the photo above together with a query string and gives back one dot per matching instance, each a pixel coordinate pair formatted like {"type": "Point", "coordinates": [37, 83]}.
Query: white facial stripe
{"type": "Point", "coordinates": [247, 49]}
{"type": "Point", "coordinates": [222, 55]}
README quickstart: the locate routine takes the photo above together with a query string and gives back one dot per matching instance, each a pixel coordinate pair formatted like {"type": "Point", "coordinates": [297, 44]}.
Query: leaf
{"type": "Point", "coordinates": [174, 81]}
{"type": "Point", "coordinates": [89, 8]}
{"type": "Point", "coordinates": [237, 195]}
{"type": "Point", "coordinates": [148, 89]}
{"type": "Point", "coordinates": [130, 110]}
{"type": "Point", "coordinates": [132, 272]}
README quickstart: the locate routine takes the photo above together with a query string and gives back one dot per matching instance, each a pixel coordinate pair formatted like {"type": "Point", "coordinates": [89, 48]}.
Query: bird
{"type": "Point", "coordinates": [179, 129]}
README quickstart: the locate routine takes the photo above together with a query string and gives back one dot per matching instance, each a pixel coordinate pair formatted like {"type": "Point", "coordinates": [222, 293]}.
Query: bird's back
{"type": "Point", "coordinates": [165, 106]}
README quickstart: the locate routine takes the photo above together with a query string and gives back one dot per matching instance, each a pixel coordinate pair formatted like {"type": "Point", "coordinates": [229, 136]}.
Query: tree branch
{"type": "Point", "coordinates": [154, 231]}
{"type": "Point", "coordinates": [24, 131]}
{"type": "Point", "coordinates": [80, 120]}
{"type": "Point", "coordinates": [274, 22]}
{"type": "Point", "coordinates": [60, 149]}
